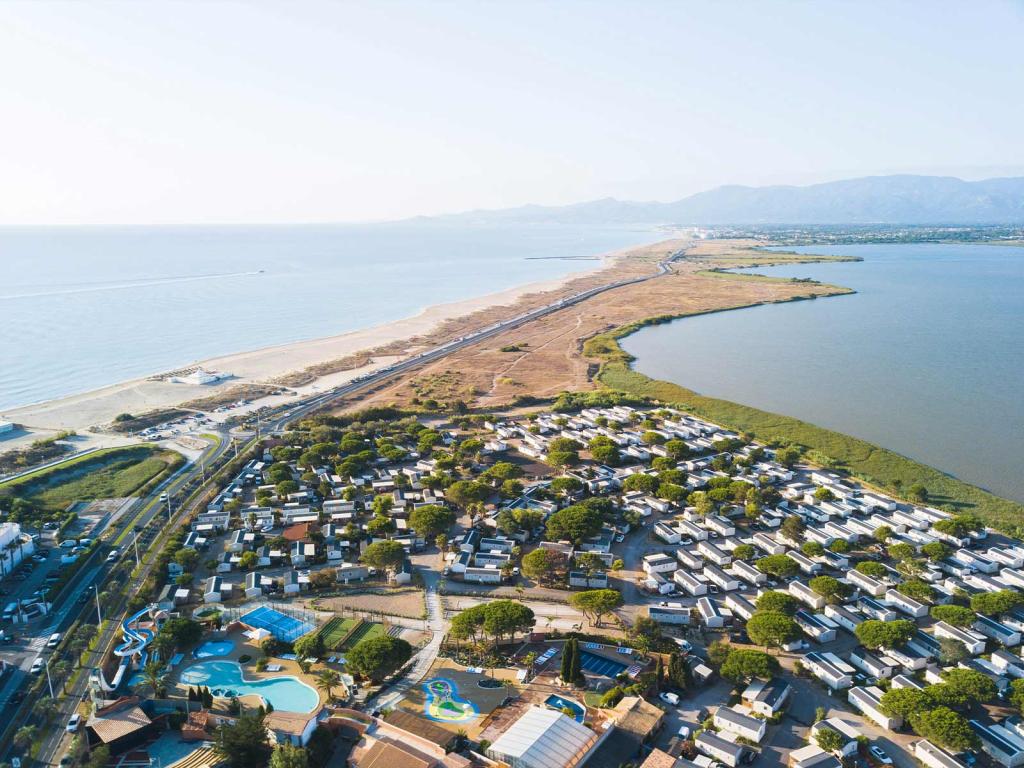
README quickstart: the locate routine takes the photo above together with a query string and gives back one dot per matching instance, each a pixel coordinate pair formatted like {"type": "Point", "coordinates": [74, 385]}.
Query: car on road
{"type": "Point", "coordinates": [620, 538]}
{"type": "Point", "coordinates": [67, 761]}
{"type": "Point", "coordinates": [112, 556]}
{"type": "Point", "coordinates": [54, 640]}
{"type": "Point", "coordinates": [669, 698]}
{"type": "Point", "coordinates": [879, 755]}
{"type": "Point", "coordinates": [37, 666]}
{"type": "Point", "coordinates": [74, 723]}
{"type": "Point", "coordinates": [682, 644]}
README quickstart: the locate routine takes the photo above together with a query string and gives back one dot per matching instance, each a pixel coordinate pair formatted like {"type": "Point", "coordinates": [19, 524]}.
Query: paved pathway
{"type": "Point", "coordinates": [424, 659]}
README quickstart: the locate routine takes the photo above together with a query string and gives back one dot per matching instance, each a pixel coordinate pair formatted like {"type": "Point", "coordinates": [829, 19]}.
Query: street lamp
{"type": "Point", "coordinates": [99, 615]}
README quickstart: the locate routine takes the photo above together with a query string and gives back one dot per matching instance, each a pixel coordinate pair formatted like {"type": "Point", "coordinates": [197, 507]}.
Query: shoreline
{"type": "Point", "coordinates": [266, 366]}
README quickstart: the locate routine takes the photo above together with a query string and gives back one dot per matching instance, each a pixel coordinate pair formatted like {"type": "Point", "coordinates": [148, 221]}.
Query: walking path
{"type": "Point", "coordinates": [424, 660]}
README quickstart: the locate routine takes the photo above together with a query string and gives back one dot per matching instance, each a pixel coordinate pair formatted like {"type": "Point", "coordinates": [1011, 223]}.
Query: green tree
{"type": "Point", "coordinates": [918, 493]}
{"type": "Point", "coordinates": [744, 665]}
{"type": "Point", "coordinates": [377, 657]}
{"type": "Point", "coordinates": [778, 566]}
{"type": "Point", "coordinates": [743, 552]}
{"type": "Point", "coordinates": [287, 755]}
{"type": "Point", "coordinates": [996, 603]}
{"type": "Point", "coordinates": [916, 589]}
{"type": "Point", "coordinates": [309, 646]}
{"type": "Point", "coordinates": [883, 533]}
{"type": "Point", "coordinates": [462, 493]}
{"type": "Point", "coordinates": [974, 685]}
{"type": "Point", "coordinates": [574, 523]}
{"type": "Point", "coordinates": [812, 549]}
{"type": "Point", "coordinates": [542, 565]}
{"type": "Point", "coordinates": [604, 451]}
{"type": "Point", "coordinates": [872, 569]}
{"type": "Point", "coordinates": [243, 743]}
{"type": "Point", "coordinates": [430, 520]}
{"type": "Point", "coordinates": [957, 615]}
{"type": "Point", "coordinates": [952, 651]}
{"type": "Point", "coordinates": [828, 587]}
{"type": "Point", "coordinates": [944, 727]}
{"type": "Point", "coordinates": [595, 603]}
{"type": "Point", "coordinates": [901, 551]}
{"type": "Point", "coordinates": [566, 486]}
{"type": "Point", "coordinates": [779, 602]}
{"type": "Point", "coordinates": [824, 494]}
{"type": "Point", "coordinates": [1016, 694]}
{"type": "Point", "coordinates": [326, 681]}
{"type": "Point", "coordinates": [679, 672]}
{"type": "Point", "coordinates": [935, 551]}
{"type": "Point", "coordinates": [772, 629]}
{"type": "Point", "coordinates": [248, 561]}
{"type": "Point", "coordinates": [904, 702]}
{"type": "Point", "coordinates": [829, 739]}
{"type": "Point", "coordinates": [641, 482]}
{"type": "Point", "coordinates": [181, 632]}
{"type": "Point", "coordinates": [153, 675]}
{"type": "Point", "coordinates": [505, 618]}
{"type": "Point", "coordinates": [387, 555]}
{"type": "Point", "coordinates": [793, 528]}
{"type": "Point", "coordinates": [885, 634]}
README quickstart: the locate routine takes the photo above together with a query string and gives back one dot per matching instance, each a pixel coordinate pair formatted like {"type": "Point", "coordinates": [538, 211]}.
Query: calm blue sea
{"type": "Point", "coordinates": [926, 359]}
{"type": "Point", "coordinates": [83, 308]}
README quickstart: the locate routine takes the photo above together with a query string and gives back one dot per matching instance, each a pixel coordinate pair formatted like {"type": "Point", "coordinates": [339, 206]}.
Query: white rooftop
{"type": "Point", "coordinates": [543, 738]}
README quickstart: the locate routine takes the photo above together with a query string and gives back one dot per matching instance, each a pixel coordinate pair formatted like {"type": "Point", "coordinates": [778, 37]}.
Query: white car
{"type": "Point", "coordinates": [54, 640]}
{"type": "Point", "coordinates": [669, 698]}
{"type": "Point", "coordinates": [37, 666]}
{"type": "Point", "coordinates": [879, 754]}
{"type": "Point", "coordinates": [682, 644]}
{"type": "Point", "coordinates": [684, 732]}
{"type": "Point", "coordinates": [73, 723]}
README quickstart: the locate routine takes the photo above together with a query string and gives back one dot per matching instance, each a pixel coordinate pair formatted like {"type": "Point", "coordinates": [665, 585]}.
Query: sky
{"type": "Point", "coordinates": [263, 112]}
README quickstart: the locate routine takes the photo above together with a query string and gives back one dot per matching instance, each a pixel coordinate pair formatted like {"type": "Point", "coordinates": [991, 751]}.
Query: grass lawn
{"type": "Point", "coordinates": [335, 630]}
{"type": "Point", "coordinates": [877, 466]}
{"type": "Point", "coordinates": [366, 631]}
{"type": "Point", "coordinates": [105, 474]}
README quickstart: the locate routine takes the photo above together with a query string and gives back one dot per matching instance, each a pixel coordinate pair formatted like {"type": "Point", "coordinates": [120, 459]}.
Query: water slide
{"type": "Point", "coordinates": [135, 641]}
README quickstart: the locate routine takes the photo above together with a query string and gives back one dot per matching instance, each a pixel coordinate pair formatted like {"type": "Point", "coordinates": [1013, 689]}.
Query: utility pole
{"type": "Point", "coordinates": [49, 682]}
{"type": "Point", "coordinates": [135, 541]}
{"type": "Point", "coordinates": [99, 614]}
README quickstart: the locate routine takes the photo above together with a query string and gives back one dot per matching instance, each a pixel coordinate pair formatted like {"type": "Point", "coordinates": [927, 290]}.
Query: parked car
{"type": "Point", "coordinates": [684, 732]}
{"type": "Point", "coordinates": [879, 754]}
{"type": "Point", "coordinates": [686, 646]}
{"type": "Point", "coordinates": [74, 723]}
{"type": "Point", "coordinates": [37, 666]}
{"type": "Point", "coordinates": [54, 640]}
{"type": "Point", "coordinates": [669, 698]}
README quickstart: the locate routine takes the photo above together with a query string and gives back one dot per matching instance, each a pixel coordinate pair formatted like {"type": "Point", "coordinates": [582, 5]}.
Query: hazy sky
{"type": "Point", "coordinates": [196, 112]}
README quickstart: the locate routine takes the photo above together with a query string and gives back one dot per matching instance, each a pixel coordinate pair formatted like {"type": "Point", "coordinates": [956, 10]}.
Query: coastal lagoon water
{"type": "Point", "coordinates": [925, 359]}
{"type": "Point", "coordinates": [84, 308]}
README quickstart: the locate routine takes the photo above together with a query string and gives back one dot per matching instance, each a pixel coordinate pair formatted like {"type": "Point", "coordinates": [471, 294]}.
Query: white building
{"type": "Point", "coordinates": [544, 738]}
{"type": "Point", "coordinates": [868, 702]}
{"type": "Point", "coordinates": [740, 724]}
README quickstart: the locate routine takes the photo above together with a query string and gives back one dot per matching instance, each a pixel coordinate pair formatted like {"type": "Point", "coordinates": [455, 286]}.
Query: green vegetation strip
{"type": "Point", "coordinates": [89, 458]}
{"type": "Point", "coordinates": [877, 466]}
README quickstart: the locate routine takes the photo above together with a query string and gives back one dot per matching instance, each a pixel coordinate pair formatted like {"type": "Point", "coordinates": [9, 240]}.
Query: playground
{"type": "Point", "coordinates": [458, 698]}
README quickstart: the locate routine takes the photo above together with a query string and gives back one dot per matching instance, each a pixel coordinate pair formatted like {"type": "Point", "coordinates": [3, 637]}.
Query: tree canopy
{"type": "Point", "coordinates": [596, 603]}
{"type": "Point", "coordinates": [243, 743]}
{"type": "Point", "coordinates": [772, 629]}
{"type": "Point", "coordinates": [574, 523]}
{"type": "Point", "coordinates": [384, 554]}
{"type": "Point", "coordinates": [888, 634]}
{"type": "Point", "coordinates": [781, 602]}
{"type": "Point", "coordinates": [779, 566]}
{"type": "Point", "coordinates": [430, 520]}
{"type": "Point", "coordinates": [743, 664]}
{"type": "Point", "coordinates": [543, 564]}
{"type": "Point", "coordinates": [996, 603]}
{"type": "Point", "coordinates": [378, 657]}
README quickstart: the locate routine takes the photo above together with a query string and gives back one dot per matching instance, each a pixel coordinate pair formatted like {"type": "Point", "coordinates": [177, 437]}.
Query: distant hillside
{"type": "Point", "coordinates": [869, 200]}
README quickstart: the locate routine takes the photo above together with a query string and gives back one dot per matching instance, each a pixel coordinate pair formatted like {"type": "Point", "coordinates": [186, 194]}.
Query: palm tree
{"type": "Point", "coordinates": [153, 675]}
{"type": "Point", "coordinates": [327, 680]}
{"type": "Point", "coordinates": [9, 548]}
{"type": "Point", "coordinates": [25, 735]}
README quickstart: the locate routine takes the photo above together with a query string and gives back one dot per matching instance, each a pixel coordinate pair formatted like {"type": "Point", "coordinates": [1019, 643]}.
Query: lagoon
{"type": "Point", "coordinates": [925, 359]}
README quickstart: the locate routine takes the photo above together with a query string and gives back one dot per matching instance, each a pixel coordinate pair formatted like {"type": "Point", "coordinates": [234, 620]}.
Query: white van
{"type": "Point", "coordinates": [54, 640]}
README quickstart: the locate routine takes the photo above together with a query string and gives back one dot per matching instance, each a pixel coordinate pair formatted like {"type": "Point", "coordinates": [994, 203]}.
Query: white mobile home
{"type": "Point", "coordinates": [993, 630]}
{"type": "Point", "coordinates": [806, 595]}
{"type": "Point", "coordinates": [868, 702]}
{"type": "Point", "coordinates": [818, 627]}
{"type": "Point", "coordinates": [905, 604]}
{"type": "Point", "coordinates": [830, 669]}
{"type": "Point", "coordinates": [711, 617]}
{"type": "Point", "coordinates": [973, 642]}
{"type": "Point", "coordinates": [740, 724]}
{"type": "Point", "coordinates": [748, 573]}
{"type": "Point", "coordinates": [714, 554]}
{"type": "Point", "coordinates": [677, 614]}
{"type": "Point", "coordinates": [807, 565]}
{"type": "Point", "coordinates": [866, 583]}
{"type": "Point", "coordinates": [725, 581]}
{"type": "Point", "coordinates": [690, 583]}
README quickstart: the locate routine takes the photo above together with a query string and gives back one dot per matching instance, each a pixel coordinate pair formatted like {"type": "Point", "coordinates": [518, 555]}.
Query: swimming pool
{"type": "Point", "coordinates": [599, 665]}
{"type": "Point", "coordinates": [557, 702]}
{"type": "Point", "coordinates": [214, 648]}
{"type": "Point", "coordinates": [224, 678]}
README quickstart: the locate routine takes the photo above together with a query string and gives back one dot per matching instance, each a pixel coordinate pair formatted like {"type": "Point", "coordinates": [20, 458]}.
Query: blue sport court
{"type": "Point", "coordinates": [599, 665]}
{"type": "Point", "coordinates": [280, 625]}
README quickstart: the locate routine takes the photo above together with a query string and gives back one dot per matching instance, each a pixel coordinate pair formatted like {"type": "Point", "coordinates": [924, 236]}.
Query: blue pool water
{"type": "Point", "coordinates": [599, 665]}
{"type": "Point", "coordinates": [287, 694]}
{"type": "Point", "coordinates": [214, 648]}
{"type": "Point", "coordinates": [557, 702]}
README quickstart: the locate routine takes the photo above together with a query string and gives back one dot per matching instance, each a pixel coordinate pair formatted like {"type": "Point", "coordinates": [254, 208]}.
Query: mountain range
{"type": "Point", "coordinates": [901, 199]}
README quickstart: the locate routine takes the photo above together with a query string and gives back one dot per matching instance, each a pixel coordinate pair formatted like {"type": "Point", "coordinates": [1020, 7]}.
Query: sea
{"type": "Point", "coordinates": [926, 359]}
{"type": "Point", "coordinates": [82, 308]}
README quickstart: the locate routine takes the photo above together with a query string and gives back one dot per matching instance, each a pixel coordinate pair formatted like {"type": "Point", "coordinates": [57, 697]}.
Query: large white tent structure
{"type": "Point", "coordinates": [543, 738]}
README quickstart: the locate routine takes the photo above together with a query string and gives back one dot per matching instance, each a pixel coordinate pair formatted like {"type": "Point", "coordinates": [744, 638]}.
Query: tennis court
{"type": "Point", "coordinates": [599, 665]}
{"type": "Point", "coordinates": [280, 625]}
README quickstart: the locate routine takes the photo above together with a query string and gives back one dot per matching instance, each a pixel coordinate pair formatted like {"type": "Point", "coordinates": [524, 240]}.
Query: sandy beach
{"type": "Point", "coordinates": [275, 364]}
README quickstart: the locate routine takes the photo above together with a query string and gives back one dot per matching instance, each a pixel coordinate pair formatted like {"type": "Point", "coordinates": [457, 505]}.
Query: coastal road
{"type": "Point", "coordinates": [70, 606]}
{"type": "Point", "coordinates": [297, 411]}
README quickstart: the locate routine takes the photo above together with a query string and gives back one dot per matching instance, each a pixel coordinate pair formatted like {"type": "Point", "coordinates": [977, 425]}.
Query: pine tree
{"type": "Point", "coordinates": [659, 674]}
{"type": "Point", "coordinates": [679, 672]}
{"type": "Point", "coordinates": [575, 671]}
{"type": "Point", "coordinates": [567, 653]}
